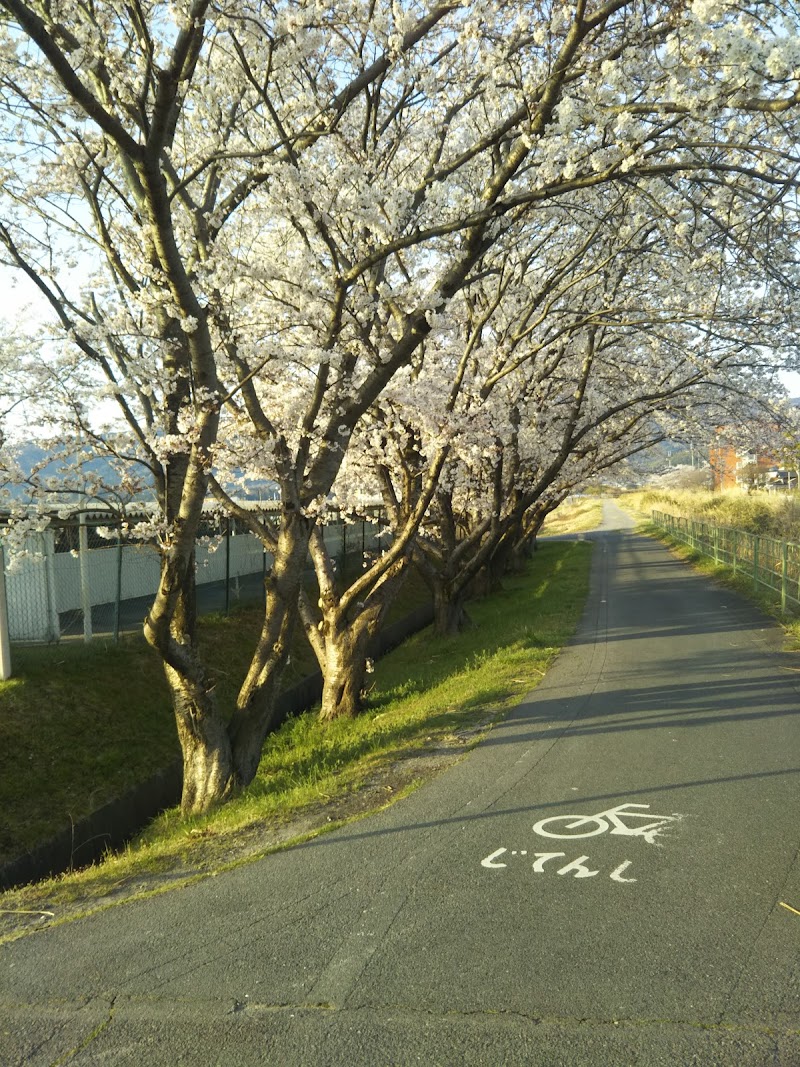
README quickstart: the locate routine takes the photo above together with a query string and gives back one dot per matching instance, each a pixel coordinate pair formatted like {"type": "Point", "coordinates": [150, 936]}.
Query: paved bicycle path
{"type": "Point", "coordinates": [412, 938]}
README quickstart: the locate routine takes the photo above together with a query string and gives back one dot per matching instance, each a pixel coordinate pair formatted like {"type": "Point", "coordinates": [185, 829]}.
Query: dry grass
{"type": "Point", "coordinates": [575, 515]}
{"type": "Point", "coordinates": [772, 514]}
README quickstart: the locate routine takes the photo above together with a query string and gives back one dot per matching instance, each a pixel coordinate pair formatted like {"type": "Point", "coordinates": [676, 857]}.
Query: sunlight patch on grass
{"type": "Point", "coordinates": [575, 515]}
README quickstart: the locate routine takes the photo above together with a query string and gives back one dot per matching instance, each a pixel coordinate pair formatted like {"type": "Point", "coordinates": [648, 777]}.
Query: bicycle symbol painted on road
{"type": "Point", "coordinates": [626, 820]}
{"type": "Point", "coordinates": [564, 827]}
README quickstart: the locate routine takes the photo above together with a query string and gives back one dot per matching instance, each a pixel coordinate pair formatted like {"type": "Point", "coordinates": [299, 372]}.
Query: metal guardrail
{"type": "Point", "coordinates": [770, 564]}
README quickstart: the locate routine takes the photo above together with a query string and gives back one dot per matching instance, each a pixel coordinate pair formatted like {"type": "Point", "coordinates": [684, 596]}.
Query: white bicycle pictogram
{"type": "Point", "coordinates": [610, 820]}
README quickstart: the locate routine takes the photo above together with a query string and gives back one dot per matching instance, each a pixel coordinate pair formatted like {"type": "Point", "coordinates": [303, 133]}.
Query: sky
{"type": "Point", "coordinates": [791, 380]}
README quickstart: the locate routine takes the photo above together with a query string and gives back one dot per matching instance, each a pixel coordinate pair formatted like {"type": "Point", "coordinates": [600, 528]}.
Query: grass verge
{"type": "Point", "coordinates": [81, 724]}
{"type": "Point", "coordinates": [431, 699]}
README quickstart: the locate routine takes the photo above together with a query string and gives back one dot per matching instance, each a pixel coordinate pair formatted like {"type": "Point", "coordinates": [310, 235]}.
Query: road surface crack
{"type": "Point", "coordinates": [748, 957]}
{"type": "Point", "coordinates": [90, 1038]}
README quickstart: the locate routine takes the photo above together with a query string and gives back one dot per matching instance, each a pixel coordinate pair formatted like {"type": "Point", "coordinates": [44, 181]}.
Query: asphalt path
{"type": "Point", "coordinates": [601, 882]}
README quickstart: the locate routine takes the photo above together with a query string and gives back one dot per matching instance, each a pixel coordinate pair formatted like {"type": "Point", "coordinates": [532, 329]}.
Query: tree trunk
{"type": "Point", "coordinates": [207, 761]}
{"type": "Point", "coordinates": [340, 638]}
{"type": "Point", "coordinates": [344, 672]}
{"type": "Point", "coordinates": [449, 614]}
{"type": "Point", "coordinates": [170, 629]}
{"type": "Point", "coordinates": [518, 557]}
{"type": "Point", "coordinates": [490, 577]}
{"type": "Point", "coordinates": [483, 584]}
{"type": "Point", "coordinates": [254, 715]}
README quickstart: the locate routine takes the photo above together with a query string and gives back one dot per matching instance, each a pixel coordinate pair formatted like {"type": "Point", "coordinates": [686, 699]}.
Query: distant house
{"type": "Point", "coordinates": [731, 469]}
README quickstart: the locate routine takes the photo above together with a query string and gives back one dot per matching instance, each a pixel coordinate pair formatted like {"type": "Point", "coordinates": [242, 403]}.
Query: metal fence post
{"type": "Point", "coordinates": [227, 564]}
{"type": "Point", "coordinates": [734, 546]}
{"type": "Point", "coordinates": [5, 645]}
{"type": "Point", "coordinates": [118, 598]}
{"type": "Point", "coordinates": [784, 573]}
{"type": "Point", "coordinates": [86, 580]}
{"type": "Point", "coordinates": [756, 541]}
{"type": "Point", "coordinates": [50, 575]}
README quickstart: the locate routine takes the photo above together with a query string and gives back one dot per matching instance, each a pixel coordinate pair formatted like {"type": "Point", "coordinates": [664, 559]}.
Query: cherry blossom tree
{"type": "Point", "coordinates": [350, 614]}
{"type": "Point", "coordinates": [248, 221]}
{"type": "Point", "coordinates": [632, 334]}
{"type": "Point", "coordinates": [545, 300]}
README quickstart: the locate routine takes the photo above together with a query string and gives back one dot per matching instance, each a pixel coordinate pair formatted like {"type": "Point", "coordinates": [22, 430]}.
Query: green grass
{"type": "Point", "coordinates": [423, 693]}
{"type": "Point", "coordinates": [81, 724]}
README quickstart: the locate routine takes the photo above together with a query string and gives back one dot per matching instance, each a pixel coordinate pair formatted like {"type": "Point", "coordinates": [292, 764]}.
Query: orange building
{"type": "Point", "coordinates": [733, 470]}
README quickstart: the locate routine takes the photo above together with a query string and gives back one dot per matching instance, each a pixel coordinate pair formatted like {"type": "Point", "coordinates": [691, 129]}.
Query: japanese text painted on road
{"type": "Point", "coordinates": [624, 820]}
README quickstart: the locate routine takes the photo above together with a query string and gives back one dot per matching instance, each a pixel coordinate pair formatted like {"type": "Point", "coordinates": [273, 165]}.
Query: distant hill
{"type": "Point", "coordinates": [31, 455]}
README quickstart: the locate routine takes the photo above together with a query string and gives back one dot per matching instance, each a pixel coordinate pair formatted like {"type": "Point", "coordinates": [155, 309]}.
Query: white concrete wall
{"type": "Point", "coordinates": [42, 585]}
{"type": "Point", "coordinates": [29, 598]}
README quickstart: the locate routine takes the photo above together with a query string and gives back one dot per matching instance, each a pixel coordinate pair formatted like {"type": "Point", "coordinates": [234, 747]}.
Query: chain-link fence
{"type": "Point", "coordinates": [74, 582]}
{"type": "Point", "coordinates": [772, 565]}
